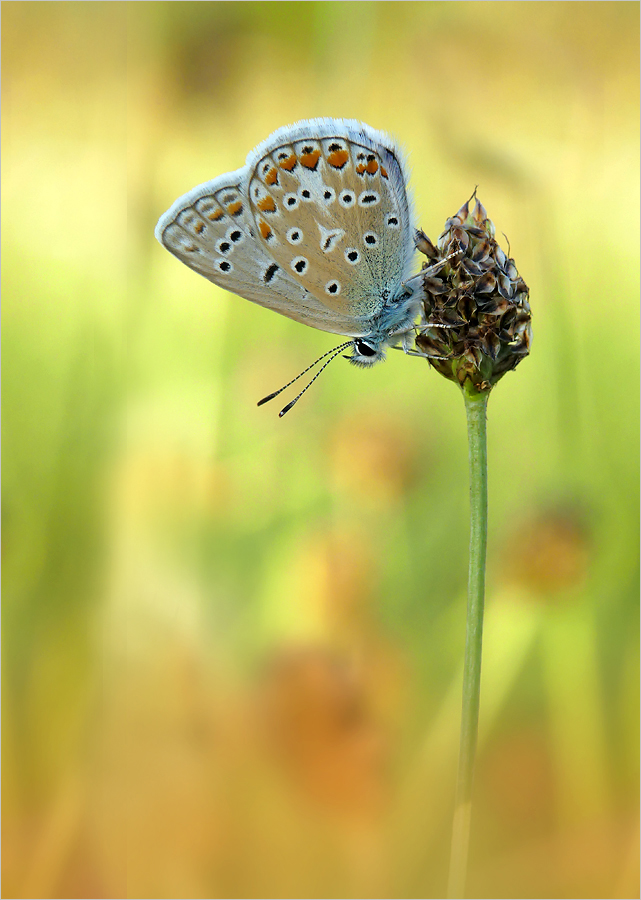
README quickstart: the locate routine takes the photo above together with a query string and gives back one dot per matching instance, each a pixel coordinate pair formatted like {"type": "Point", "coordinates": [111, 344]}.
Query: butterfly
{"type": "Point", "coordinates": [317, 226]}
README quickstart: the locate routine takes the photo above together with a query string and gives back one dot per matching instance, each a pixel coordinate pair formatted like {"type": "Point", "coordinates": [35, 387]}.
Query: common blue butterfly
{"type": "Point", "coordinates": [317, 226]}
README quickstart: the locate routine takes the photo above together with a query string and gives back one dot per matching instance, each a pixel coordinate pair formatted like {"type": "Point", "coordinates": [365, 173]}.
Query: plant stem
{"type": "Point", "coordinates": [475, 407]}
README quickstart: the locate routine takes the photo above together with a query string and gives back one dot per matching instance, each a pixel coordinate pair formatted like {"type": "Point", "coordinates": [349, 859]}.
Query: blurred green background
{"type": "Point", "coordinates": [232, 645]}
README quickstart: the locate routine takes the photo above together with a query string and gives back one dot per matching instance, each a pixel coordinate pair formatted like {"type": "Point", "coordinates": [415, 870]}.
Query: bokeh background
{"type": "Point", "coordinates": [232, 645]}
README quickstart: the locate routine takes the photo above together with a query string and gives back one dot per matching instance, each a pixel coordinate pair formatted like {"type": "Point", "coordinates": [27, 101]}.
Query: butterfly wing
{"type": "Point", "coordinates": [316, 226]}
{"type": "Point", "coordinates": [330, 206]}
{"type": "Point", "coordinates": [211, 230]}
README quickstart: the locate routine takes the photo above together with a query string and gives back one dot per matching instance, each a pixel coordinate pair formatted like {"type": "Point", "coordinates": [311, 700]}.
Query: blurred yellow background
{"type": "Point", "coordinates": [232, 645]}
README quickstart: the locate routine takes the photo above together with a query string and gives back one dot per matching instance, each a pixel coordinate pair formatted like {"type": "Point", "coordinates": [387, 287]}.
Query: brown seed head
{"type": "Point", "coordinates": [476, 314]}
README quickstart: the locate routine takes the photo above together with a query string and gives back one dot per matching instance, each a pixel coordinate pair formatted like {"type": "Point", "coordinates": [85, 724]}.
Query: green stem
{"type": "Point", "coordinates": [475, 407]}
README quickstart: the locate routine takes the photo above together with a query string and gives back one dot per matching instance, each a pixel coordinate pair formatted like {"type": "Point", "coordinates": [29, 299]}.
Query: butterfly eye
{"type": "Point", "coordinates": [364, 349]}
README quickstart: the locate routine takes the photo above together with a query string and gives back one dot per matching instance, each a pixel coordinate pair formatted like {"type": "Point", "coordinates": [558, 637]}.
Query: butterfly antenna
{"type": "Point", "coordinates": [337, 352]}
{"type": "Point", "coordinates": [434, 267]}
{"type": "Point", "coordinates": [304, 372]}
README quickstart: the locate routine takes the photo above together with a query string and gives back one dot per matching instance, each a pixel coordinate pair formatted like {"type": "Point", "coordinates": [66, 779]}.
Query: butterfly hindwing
{"type": "Point", "coordinates": [331, 208]}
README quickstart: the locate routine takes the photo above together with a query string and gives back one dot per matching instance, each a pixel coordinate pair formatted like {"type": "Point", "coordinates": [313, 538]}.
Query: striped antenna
{"type": "Point", "coordinates": [334, 352]}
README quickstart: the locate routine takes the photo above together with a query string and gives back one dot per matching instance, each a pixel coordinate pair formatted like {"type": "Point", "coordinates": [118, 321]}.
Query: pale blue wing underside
{"type": "Point", "coordinates": [226, 231]}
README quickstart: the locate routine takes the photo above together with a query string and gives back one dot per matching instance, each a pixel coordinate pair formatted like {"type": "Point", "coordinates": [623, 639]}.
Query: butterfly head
{"type": "Point", "coordinates": [366, 352]}
{"type": "Point", "coordinates": [388, 328]}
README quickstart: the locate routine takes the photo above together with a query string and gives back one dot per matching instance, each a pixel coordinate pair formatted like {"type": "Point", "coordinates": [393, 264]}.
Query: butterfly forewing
{"type": "Point", "coordinates": [212, 232]}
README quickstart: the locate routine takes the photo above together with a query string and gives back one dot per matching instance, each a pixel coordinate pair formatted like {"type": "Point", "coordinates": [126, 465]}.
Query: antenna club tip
{"type": "Point", "coordinates": [269, 397]}
{"type": "Point", "coordinates": [333, 353]}
{"type": "Point", "coordinates": [286, 409]}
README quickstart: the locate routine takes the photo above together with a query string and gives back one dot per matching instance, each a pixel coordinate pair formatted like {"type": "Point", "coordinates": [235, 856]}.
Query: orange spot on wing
{"type": "Point", "coordinates": [289, 163]}
{"type": "Point", "coordinates": [372, 167]}
{"type": "Point", "coordinates": [266, 204]}
{"type": "Point", "coordinates": [198, 227]}
{"type": "Point", "coordinates": [309, 160]}
{"type": "Point", "coordinates": [383, 171]}
{"type": "Point", "coordinates": [216, 215]}
{"type": "Point", "coordinates": [271, 177]}
{"type": "Point", "coordinates": [338, 158]}
{"type": "Point", "coordinates": [360, 168]}
{"type": "Point", "coordinates": [234, 208]}
{"type": "Point", "coordinates": [265, 230]}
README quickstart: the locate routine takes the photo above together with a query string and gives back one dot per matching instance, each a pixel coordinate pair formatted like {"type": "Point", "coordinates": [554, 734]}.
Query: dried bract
{"type": "Point", "coordinates": [476, 321]}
